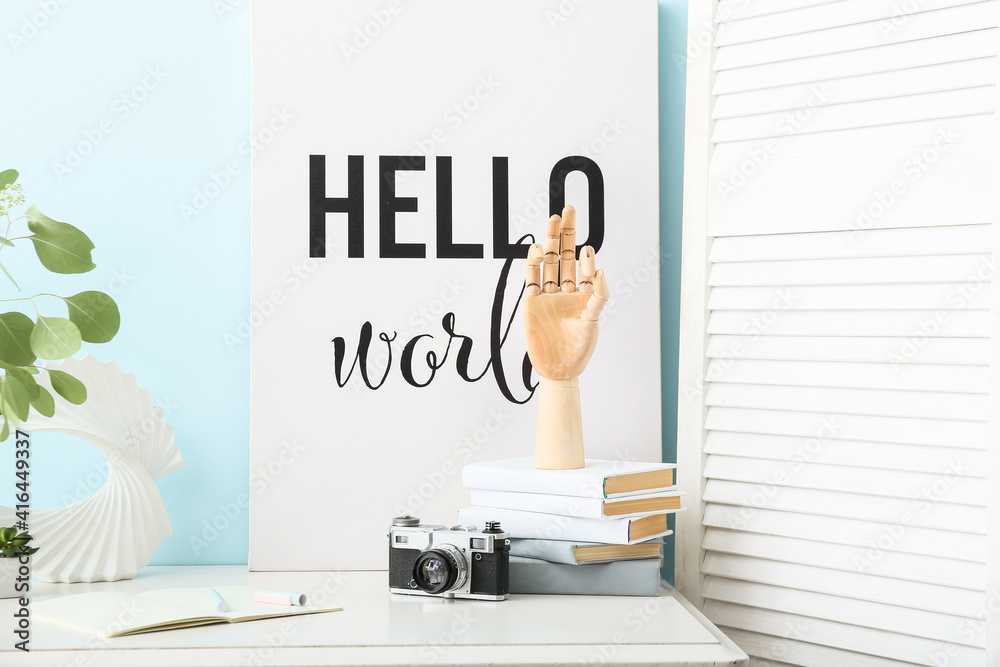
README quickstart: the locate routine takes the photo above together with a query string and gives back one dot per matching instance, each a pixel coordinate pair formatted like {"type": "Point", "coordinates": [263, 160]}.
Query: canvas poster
{"type": "Point", "coordinates": [406, 154]}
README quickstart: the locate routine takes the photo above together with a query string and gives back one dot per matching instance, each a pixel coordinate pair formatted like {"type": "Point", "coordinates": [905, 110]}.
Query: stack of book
{"type": "Point", "coordinates": [596, 530]}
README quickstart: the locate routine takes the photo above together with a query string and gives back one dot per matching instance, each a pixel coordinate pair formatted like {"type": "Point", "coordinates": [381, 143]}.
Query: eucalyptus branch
{"type": "Point", "coordinates": [6, 235]}
{"type": "Point", "coordinates": [29, 298]}
{"type": "Point", "coordinates": [25, 342]}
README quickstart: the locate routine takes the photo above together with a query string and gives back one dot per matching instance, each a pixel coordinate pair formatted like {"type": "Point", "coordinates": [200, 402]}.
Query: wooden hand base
{"type": "Point", "coordinates": [559, 438]}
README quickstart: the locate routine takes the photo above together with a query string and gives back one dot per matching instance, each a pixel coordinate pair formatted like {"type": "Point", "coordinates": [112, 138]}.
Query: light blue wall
{"type": "Point", "coordinates": [182, 282]}
{"type": "Point", "coordinates": [673, 60]}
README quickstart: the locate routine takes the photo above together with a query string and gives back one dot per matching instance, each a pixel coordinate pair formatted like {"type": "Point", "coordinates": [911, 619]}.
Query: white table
{"type": "Point", "coordinates": [379, 628]}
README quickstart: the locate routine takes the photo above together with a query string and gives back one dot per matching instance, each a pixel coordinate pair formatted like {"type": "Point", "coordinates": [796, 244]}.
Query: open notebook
{"type": "Point", "coordinates": [117, 614]}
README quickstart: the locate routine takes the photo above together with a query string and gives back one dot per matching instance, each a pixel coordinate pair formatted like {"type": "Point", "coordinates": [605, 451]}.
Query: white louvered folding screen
{"type": "Point", "coordinates": [838, 329]}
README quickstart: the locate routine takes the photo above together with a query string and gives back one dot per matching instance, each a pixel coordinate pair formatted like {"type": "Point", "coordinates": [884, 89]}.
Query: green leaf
{"type": "Point", "coordinates": [7, 273]}
{"type": "Point", "coordinates": [61, 247]}
{"type": "Point", "coordinates": [13, 400]}
{"type": "Point", "coordinates": [6, 430]}
{"type": "Point", "coordinates": [44, 404]}
{"type": "Point", "coordinates": [68, 386]}
{"type": "Point", "coordinates": [15, 339]}
{"type": "Point", "coordinates": [7, 177]}
{"type": "Point", "coordinates": [7, 534]}
{"type": "Point", "coordinates": [54, 338]}
{"type": "Point", "coordinates": [95, 314]}
{"type": "Point", "coordinates": [24, 377]}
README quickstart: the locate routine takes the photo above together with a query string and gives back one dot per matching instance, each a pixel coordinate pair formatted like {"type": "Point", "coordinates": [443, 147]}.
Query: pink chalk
{"type": "Point", "coordinates": [272, 598]}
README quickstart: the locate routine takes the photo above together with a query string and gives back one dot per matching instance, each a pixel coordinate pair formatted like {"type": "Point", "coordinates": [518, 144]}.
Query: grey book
{"type": "Point", "coordinates": [625, 577]}
{"type": "Point", "coordinates": [578, 553]}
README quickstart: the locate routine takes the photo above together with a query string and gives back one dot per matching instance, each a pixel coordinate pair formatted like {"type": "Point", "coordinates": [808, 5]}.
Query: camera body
{"type": "Point", "coordinates": [456, 562]}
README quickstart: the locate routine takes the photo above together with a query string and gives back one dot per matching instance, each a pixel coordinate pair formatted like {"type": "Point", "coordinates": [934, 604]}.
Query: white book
{"type": "Point", "coordinates": [584, 553]}
{"type": "Point", "coordinates": [538, 526]}
{"type": "Point", "coordinates": [585, 508]}
{"type": "Point", "coordinates": [597, 479]}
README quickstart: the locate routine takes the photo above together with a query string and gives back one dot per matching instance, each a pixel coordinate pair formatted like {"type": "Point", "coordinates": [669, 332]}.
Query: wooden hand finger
{"type": "Point", "coordinates": [567, 262]}
{"type": "Point", "coordinates": [550, 266]}
{"type": "Point", "coordinates": [532, 277]}
{"type": "Point", "coordinates": [598, 299]}
{"type": "Point", "coordinates": [587, 270]}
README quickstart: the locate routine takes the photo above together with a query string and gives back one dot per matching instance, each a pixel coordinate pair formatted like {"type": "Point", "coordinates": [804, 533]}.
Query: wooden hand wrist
{"type": "Point", "coordinates": [559, 438]}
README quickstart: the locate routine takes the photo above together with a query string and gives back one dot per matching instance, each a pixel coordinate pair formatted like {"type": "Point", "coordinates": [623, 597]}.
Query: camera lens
{"type": "Point", "coordinates": [440, 569]}
{"type": "Point", "coordinates": [434, 571]}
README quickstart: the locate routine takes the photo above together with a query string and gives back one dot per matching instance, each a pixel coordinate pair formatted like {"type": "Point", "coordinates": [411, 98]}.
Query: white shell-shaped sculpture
{"type": "Point", "coordinates": [114, 531]}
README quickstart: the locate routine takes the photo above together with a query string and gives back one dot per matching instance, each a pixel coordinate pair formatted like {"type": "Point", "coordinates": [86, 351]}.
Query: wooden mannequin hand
{"type": "Point", "coordinates": [560, 317]}
{"type": "Point", "coordinates": [560, 326]}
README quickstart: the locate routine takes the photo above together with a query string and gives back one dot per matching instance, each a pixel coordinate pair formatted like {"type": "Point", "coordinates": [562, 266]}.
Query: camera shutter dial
{"type": "Point", "coordinates": [406, 521]}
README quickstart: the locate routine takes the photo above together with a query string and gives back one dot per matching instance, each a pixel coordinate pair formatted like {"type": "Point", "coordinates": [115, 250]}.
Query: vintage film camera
{"type": "Point", "coordinates": [456, 562]}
